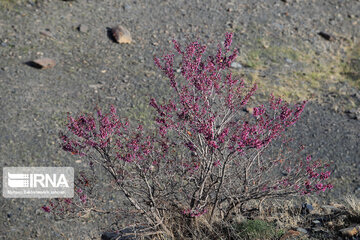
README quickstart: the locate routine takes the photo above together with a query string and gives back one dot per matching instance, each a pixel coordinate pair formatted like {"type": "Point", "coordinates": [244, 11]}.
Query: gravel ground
{"type": "Point", "coordinates": [280, 48]}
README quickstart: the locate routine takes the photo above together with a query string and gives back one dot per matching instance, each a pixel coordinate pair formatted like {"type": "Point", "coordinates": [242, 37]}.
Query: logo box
{"type": "Point", "coordinates": [38, 182]}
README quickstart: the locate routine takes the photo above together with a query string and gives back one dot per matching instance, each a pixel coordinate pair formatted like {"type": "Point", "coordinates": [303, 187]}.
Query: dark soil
{"type": "Point", "coordinates": [280, 48]}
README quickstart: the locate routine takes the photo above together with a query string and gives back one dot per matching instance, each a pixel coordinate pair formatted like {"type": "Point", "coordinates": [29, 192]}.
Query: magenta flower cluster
{"type": "Point", "coordinates": [103, 131]}
{"type": "Point", "coordinates": [315, 182]}
{"type": "Point", "coordinates": [205, 92]}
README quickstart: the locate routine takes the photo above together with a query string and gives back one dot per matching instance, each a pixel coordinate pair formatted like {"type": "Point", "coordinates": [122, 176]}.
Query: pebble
{"type": "Point", "coordinates": [126, 7]}
{"type": "Point", "coordinates": [96, 86]}
{"type": "Point", "coordinates": [288, 60]}
{"type": "Point", "coordinates": [320, 230]}
{"type": "Point", "coordinates": [302, 230]}
{"type": "Point", "coordinates": [47, 33]}
{"type": "Point", "coordinates": [43, 63]}
{"type": "Point", "coordinates": [350, 231]}
{"type": "Point", "coordinates": [236, 65]}
{"type": "Point", "coordinates": [121, 34]}
{"type": "Point", "coordinates": [356, 96]}
{"type": "Point", "coordinates": [316, 222]}
{"type": "Point", "coordinates": [31, 2]}
{"type": "Point", "coordinates": [109, 236]}
{"type": "Point", "coordinates": [306, 208]}
{"type": "Point", "coordinates": [353, 113]}
{"type": "Point", "coordinates": [326, 36]}
{"type": "Point", "coordinates": [83, 28]}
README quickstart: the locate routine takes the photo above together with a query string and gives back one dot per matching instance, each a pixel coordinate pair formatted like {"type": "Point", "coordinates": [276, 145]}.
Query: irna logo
{"type": "Point", "coordinates": [16, 180]}
{"type": "Point", "coordinates": [38, 182]}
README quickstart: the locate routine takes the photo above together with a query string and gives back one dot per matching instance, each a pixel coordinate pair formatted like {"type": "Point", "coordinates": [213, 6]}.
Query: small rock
{"type": "Point", "coordinates": [109, 236]}
{"type": "Point", "coordinates": [350, 231]}
{"type": "Point", "coordinates": [31, 2]}
{"type": "Point", "coordinates": [96, 86]}
{"type": "Point", "coordinates": [43, 63]}
{"type": "Point", "coordinates": [302, 230]}
{"type": "Point", "coordinates": [230, 24]}
{"type": "Point", "coordinates": [126, 7]}
{"type": "Point", "coordinates": [236, 65]}
{"type": "Point", "coordinates": [320, 230]}
{"type": "Point", "coordinates": [83, 28]}
{"type": "Point", "coordinates": [340, 17]}
{"type": "Point", "coordinates": [306, 208]}
{"type": "Point", "coordinates": [288, 60]}
{"type": "Point", "coordinates": [121, 34]}
{"type": "Point", "coordinates": [353, 113]}
{"type": "Point", "coordinates": [316, 222]}
{"type": "Point", "coordinates": [326, 36]}
{"type": "Point", "coordinates": [356, 95]}
{"type": "Point", "coordinates": [47, 33]}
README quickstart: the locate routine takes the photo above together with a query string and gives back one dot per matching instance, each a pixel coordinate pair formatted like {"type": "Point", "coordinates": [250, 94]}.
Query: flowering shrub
{"type": "Point", "coordinates": [206, 156]}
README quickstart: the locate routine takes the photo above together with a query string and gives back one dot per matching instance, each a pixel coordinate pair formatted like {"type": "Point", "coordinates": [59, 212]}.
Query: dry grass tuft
{"type": "Point", "coordinates": [352, 203]}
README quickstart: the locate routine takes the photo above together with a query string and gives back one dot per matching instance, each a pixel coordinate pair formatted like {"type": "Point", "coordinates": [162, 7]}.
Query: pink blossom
{"type": "Point", "coordinates": [46, 209]}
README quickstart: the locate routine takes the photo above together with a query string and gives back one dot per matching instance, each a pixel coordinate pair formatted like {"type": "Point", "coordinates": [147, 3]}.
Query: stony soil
{"type": "Point", "coordinates": [280, 49]}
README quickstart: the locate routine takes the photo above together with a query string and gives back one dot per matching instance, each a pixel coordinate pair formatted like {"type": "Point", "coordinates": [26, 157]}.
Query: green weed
{"type": "Point", "coordinates": [257, 229]}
